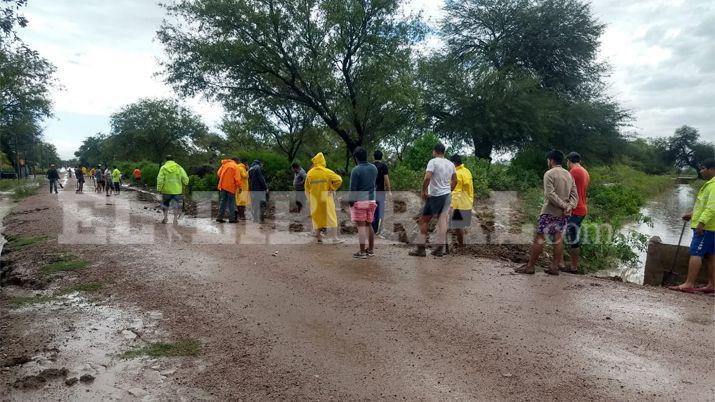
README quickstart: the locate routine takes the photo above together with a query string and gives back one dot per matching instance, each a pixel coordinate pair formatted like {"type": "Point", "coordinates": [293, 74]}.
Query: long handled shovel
{"type": "Point", "coordinates": [669, 276]}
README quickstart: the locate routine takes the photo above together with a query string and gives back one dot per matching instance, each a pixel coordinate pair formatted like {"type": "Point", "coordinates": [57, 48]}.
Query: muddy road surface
{"type": "Point", "coordinates": [256, 313]}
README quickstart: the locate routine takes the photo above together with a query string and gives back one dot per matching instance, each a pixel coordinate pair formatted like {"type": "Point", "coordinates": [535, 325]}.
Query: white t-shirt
{"type": "Point", "coordinates": [441, 182]}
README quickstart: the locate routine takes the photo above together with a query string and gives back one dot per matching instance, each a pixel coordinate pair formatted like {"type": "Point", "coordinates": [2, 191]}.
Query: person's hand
{"type": "Point", "coordinates": [424, 195]}
{"type": "Point", "coordinates": [568, 211]}
{"type": "Point", "coordinates": [687, 217]}
{"type": "Point", "coordinates": [700, 229]}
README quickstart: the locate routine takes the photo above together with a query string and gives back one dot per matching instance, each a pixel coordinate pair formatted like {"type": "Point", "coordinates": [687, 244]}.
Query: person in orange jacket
{"type": "Point", "coordinates": [229, 182]}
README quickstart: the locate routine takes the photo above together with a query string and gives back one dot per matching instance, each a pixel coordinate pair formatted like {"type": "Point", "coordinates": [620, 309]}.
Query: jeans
{"type": "Point", "coordinates": [377, 223]}
{"type": "Point", "coordinates": [227, 200]}
{"type": "Point", "coordinates": [53, 185]}
{"type": "Point", "coordinates": [259, 204]}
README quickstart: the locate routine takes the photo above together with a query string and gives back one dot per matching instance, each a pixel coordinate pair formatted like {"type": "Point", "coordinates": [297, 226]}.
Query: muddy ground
{"type": "Point", "coordinates": [296, 320]}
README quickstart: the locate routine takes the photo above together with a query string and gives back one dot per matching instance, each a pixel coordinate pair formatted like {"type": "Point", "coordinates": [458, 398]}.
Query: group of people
{"type": "Point", "coordinates": [448, 194]}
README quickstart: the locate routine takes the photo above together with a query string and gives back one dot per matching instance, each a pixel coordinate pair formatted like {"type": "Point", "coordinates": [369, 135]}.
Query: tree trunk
{"type": "Point", "coordinates": [483, 147]}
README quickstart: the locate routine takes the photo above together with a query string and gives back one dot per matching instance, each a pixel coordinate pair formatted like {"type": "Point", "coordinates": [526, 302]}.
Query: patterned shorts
{"type": "Point", "coordinates": [551, 225]}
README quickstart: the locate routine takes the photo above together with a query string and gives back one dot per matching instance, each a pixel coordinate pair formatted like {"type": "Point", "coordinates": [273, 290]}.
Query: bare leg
{"type": "Point", "coordinates": [537, 247]}
{"type": "Point", "coordinates": [442, 229]}
{"type": "Point", "coordinates": [370, 236]}
{"type": "Point", "coordinates": [424, 225]}
{"type": "Point", "coordinates": [362, 235]}
{"type": "Point", "coordinates": [693, 270]}
{"type": "Point", "coordinates": [460, 236]}
{"type": "Point", "coordinates": [711, 266]}
{"type": "Point", "coordinates": [558, 251]}
{"type": "Point", "coordinates": [318, 236]}
{"type": "Point", "coordinates": [575, 258]}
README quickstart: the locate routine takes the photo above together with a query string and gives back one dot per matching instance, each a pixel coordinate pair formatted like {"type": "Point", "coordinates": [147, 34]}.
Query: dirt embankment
{"type": "Point", "coordinates": [151, 311]}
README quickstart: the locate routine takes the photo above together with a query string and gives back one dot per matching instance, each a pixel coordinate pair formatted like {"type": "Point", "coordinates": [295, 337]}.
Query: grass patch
{"type": "Point", "coordinates": [17, 302]}
{"type": "Point", "coordinates": [64, 263]}
{"type": "Point", "coordinates": [188, 347]}
{"type": "Point", "coordinates": [19, 242]}
{"type": "Point", "coordinates": [83, 287]}
{"type": "Point", "coordinates": [24, 192]}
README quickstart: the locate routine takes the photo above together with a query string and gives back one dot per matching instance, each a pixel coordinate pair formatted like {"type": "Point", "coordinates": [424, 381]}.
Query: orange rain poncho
{"type": "Point", "coordinates": [320, 183]}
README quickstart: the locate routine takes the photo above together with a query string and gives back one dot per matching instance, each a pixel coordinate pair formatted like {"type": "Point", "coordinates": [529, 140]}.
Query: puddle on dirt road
{"type": "Point", "coordinates": [82, 362]}
{"type": "Point", "coordinates": [6, 206]}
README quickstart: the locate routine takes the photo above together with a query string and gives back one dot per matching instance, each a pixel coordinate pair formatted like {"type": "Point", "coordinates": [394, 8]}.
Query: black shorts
{"type": "Point", "coordinates": [437, 205]}
{"type": "Point", "coordinates": [461, 219]}
{"type": "Point", "coordinates": [573, 231]}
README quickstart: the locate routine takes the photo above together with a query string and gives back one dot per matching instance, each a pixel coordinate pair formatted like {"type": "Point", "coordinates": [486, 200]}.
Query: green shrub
{"type": "Point", "coordinates": [403, 178]}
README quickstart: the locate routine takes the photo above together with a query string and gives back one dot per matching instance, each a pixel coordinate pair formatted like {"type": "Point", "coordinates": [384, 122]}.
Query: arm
{"type": "Point", "coordinates": [160, 180]}
{"type": "Point", "coordinates": [573, 197]}
{"type": "Point", "coordinates": [184, 181]}
{"type": "Point", "coordinates": [550, 193]}
{"type": "Point", "coordinates": [388, 185]}
{"type": "Point", "coordinates": [335, 182]}
{"type": "Point", "coordinates": [454, 180]}
{"type": "Point", "coordinates": [353, 185]}
{"type": "Point", "coordinates": [425, 184]}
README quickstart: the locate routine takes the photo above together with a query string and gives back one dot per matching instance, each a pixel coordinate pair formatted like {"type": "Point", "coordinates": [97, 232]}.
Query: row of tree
{"type": "Point", "coordinates": [297, 76]}
{"type": "Point", "coordinates": [26, 80]}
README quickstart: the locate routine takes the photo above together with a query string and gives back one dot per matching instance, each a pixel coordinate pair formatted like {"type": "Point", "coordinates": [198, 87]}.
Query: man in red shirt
{"type": "Point", "coordinates": [573, 230]}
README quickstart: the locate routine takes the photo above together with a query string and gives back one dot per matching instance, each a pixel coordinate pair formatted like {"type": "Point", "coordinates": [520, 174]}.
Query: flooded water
{"type": "Point", "coordinates": [6, 205]}
{"type": "Point", "coordinates": [665, 212]}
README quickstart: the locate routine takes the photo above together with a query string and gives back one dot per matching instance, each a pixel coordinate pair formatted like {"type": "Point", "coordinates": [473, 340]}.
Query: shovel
{"type": "Point", "coordinates": [668, 277]}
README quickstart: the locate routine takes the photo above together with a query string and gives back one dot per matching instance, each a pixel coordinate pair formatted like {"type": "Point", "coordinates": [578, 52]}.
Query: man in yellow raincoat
{"type": "Point", "coordinates": [244, 195]}
{"type": "Point", "coordinates": [320, 184]}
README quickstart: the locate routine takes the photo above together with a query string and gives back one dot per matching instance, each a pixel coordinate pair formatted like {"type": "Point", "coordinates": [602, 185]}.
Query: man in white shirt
{"type": "Point", "coordinates": [440, 179]}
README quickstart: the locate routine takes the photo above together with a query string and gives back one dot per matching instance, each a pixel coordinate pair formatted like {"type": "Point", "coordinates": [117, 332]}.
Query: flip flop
{"type": "Point", "coordinates": [524, 270]}
{"type": "Point", "coordinates": [684, 290]}
{"type": "Point", "coordinates": [568, 270]}
{"type": "Point", "coordinates": [705, 291]}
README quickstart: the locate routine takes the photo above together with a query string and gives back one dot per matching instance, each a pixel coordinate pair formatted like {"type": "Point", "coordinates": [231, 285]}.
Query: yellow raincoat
{"type": "Point", "coordinates": [319, 185]}
{"type": "Point", "coordinates": [243, 198]}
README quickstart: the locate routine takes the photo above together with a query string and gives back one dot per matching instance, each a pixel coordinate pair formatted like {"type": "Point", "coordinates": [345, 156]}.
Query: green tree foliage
{"type": "Point", "coordinates": [686, 150]}
{"type": "Point", "coordinates": [520, 72]}
{"type": "Point", "coordinates": [346, 60]}
{"type": "Point", "coordinates": [153, 128]}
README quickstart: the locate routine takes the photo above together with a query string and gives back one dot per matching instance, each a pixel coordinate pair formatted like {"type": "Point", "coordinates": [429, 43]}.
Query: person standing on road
{"type": "Point", "coordinates": [383, 192]}
{"type": "Point", "coordinates": [362, 201]}
{"type": "Point", "coordinates": [99, 178]}
{"type": "Point", "coordinates": [320, 185]}
{"type": "Point", "coordinates": [54, 177]}
{"type": "Point", "coordinates": [244, 194]}
{"type": "Point", "coordinates": [462, 200]}
{"type": "Point", "coordinates": [573, 229]}
{"type": "Point", "coordinates": [440, 179]}
{"type": "Point", "coordinates": [108, 183]}
{"type": "Point", "coordinates": [137, 173]}
{"type": "Point", "coordinates": [229, 182]}
{"type": "Point", "coordinates": [80, 180]}
{"type": "Point", "coordinates": [91, 177]}
{"type": "Point", "coordinates": [259, 191]}
{"type": "Point", "coordinates": [299, 186]}
{"type": "Point", "coordinates": [560, 198]}
{"type": "Point", "coordinates": [116, 180]}
{"type": "Point", "coordinates": [171, 184]}
{"type": "Point", "coordinates": [702, 246]}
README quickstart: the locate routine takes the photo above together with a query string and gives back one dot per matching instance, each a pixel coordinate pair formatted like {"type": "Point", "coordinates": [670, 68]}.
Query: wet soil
{"type": "Point", "coordinates": [280, 317]}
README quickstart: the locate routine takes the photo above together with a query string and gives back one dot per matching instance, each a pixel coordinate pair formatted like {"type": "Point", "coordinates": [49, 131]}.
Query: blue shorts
{"type": "Point", "coordinates": [702, 245]}
{"type": "Point", "coordinates": [168, 199]}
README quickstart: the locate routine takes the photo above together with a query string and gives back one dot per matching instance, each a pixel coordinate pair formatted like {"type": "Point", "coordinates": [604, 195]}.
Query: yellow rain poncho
{"type": "Point", "coordinates": [243, 197]}
{"type": "Point", "coordinates": [319, 186]}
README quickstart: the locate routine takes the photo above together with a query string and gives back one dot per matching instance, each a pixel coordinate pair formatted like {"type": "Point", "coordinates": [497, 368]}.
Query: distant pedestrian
{"type": "Point", "coordinates": [229, 182]}
{"type": "Point", "coordinates": [171, 183]}
{"type": "Point", "coordinates": [108, 182]}
{"type": "Point", "coordinates": [80, 180]}
{"type": "Point", "coordinates": [320, 186]}
{"type": "Point", "coordinates": [244, 194]}
{"type": "Point", "coordinates": [362, 202]}
{"type": "Point", "coordinates": [560, 198]}
{"type": "Point", "coordinates": [137, 174]}
{"type": "Point", "coordinates": [259, 191]}
{"type": "Point", "coordinates": [383, 192]}
{"type": "Point", "coordinates": [54, 177]}
{"type": "Point", "coordinates": [299, 186]}
{"type": "Point", "coordinates": [573, 230]}
{"type": "Point", "coordinates": [439, 181]}
{"type": "Point", "coordinates": [116, 180]}
{"type": "Point", "coordinates": [99, 178]}
{"type": "Point", "coordinates": [462, 200]}
{"type": "Point", "coordinates": [702, 247]}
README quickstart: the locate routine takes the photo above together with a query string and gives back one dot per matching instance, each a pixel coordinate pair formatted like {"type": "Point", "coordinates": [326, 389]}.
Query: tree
{"type": "Point", "coordinates": [346, 60]}
{"type": "Point", "coordinates": [92, 151]}
{"type": "Point", "coordinates": [153, 128]}
{"type": "Point", "coordinates": [686, 150]}
{"type": "Point", "coordinates": [519, 73]}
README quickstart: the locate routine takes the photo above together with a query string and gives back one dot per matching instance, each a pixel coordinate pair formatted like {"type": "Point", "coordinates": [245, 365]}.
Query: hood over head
{"type": "Point", "coordinates": [319, 160]}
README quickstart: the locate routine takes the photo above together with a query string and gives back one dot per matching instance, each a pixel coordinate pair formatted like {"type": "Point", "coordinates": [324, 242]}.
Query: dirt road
{"type": "Point", "coordinates": [307, 321]}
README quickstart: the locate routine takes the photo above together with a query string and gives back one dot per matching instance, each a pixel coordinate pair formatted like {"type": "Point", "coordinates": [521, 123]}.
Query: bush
{"type": "Point", "coordinates": [403, 178]}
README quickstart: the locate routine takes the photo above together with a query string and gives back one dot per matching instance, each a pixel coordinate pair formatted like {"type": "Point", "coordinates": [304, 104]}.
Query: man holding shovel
{"type": "Point", "coordinates": [703, 225]}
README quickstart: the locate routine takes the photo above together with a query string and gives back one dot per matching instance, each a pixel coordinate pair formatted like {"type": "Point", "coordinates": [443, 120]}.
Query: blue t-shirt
{"type": "Point", "coordinates": [362, 182]}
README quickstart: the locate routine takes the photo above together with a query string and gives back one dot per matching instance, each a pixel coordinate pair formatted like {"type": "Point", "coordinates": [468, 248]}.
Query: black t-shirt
{"type": "Point", "coordinates": [381, 172]}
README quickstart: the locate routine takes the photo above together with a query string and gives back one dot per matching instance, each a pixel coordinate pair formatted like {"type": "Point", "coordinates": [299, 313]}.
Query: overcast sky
{"type": "Point", "coordinates": [662, 54]}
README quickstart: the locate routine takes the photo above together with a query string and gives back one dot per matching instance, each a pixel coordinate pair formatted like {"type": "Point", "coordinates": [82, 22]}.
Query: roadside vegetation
{"type": "Point", "coordinates": [188, 347]}
{"type": "Point", "coordinates": [62, 263]}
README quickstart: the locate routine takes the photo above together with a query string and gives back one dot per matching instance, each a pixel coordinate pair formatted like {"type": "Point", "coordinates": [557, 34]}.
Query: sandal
{"type": "Point", "coordinates": [705, 291]}
{"type": "Point", "coordinates": [552, 271]}
{"type": "Point", "coordinates": [568, 270]}
{"type": "Point", "coordinates": [684, 290]}
{"type": "Point", "coordinates": [524, 269]}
